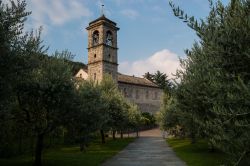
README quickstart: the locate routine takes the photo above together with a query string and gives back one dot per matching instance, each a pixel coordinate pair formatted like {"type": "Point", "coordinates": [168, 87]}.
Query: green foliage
{"type": "Point", "coordinates": [11, 20]}
{"type": "Point", "coordinates": [88, 114]}
{"type": "Point", "coordinates": [160, 79]}
{"type": "Point", "coordinates": [116, 105]}
{"type": "Point", "coordinates": [176, 122]}
{"type": "Point", "coordinates": [148, 120]}
{"type": "Point", "coordinates": [213, 94]}
{"type": "Point", "coordinates": [169, 118]}
{"type": "Point", "coordinates": [91, 107]}
{"type": "Point", "coordinates": [134, 117]}
{"type": "Point", "coordinates": [121, 114]}
{"type": "Point", "coordinates": [40, 102]}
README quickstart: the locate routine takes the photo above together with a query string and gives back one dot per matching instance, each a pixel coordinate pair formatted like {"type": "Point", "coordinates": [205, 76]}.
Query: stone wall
{"type": "Point", "coordinates": [147, 98]}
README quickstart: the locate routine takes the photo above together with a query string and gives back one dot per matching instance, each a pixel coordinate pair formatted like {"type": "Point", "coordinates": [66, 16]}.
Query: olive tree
{"type": "Point", "coordinates": [214, 87]}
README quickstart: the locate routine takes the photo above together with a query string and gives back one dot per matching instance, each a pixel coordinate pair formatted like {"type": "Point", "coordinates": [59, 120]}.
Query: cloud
{"type": "Point", "coordinates": [130, 13]}
{"type": "Point", "coordinates": [164, 61]}
{"type": "Point", "coordinates": [122, 2]}
{"type": "Point", "coordinates": [55, 13]}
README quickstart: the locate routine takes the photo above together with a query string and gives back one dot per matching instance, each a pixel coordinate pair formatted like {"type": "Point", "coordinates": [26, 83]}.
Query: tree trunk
{"type": "Point", "coordinates": [121, 134]}
{"type": "Point", "coordinates": [113, 134]}
{"type": "Point", "coordinates": [211, 146]}
{"type": "Point", "coordinates": [50, 140]}
{"type": "Point", "coordinates": [212, 149]}
{"type": "Point", "coordinates": [82, 147]}
{"type": "Point", "coordinates": [32, 142]}
{"type": "Point", "coordinates": [39, 149]}
{"type": "Point", "coordinates": [193, 139]}
{"type": "Point", "coordinates": [103, 136]}
{"type": "Point", "coordinates": [20, 143]}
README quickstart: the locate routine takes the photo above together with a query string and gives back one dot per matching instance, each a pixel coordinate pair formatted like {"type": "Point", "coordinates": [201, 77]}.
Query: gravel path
{"type": "Point", "coordinates": [148, 150]}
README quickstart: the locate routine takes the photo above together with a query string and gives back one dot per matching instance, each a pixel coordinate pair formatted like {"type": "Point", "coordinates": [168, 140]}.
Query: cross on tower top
{"type": "Point", "coordinates": [102, 8]}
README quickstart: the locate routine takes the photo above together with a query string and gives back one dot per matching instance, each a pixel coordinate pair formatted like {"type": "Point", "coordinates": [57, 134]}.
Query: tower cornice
{"type": "Point", "coordinates": [100, 61]}
{"type": "Point", "coordinates": [103, 44]}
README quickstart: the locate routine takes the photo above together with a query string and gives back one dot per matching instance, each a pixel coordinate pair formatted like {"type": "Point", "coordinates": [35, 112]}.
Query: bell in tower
{"type": "Point", "coordinates": [102, 49]}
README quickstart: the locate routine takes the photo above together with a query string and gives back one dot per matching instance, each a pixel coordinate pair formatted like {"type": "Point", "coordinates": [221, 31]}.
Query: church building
{"type": "Point", "coordinates": [103, 59]}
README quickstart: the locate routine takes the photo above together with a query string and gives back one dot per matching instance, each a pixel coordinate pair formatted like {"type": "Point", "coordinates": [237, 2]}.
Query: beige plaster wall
{"type": "Point", "coordinates": [147, 98]}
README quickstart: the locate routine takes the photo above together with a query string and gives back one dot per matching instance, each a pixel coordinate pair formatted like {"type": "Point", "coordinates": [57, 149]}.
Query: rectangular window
{"type": "Point", "coordinates": [125, 92]}
{"type": "Point", "coordinates": [156, 95]}
{"type": "Point", "coordinates": [137, 94]}
{"type": "Point", "coordinates": [147, 94]}
{"type": "Point", "coordinates": [130, 93]}
{"type": "Point", "coordinates": [94, 76]}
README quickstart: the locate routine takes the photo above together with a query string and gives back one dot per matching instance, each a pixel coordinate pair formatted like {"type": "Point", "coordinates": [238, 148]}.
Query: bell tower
{"type": "Point", "coordinates": [102, 49]}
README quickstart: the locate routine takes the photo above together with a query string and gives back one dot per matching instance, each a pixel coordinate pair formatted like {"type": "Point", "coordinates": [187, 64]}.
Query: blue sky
{"type": "Point", "coordinates": [150, 38]}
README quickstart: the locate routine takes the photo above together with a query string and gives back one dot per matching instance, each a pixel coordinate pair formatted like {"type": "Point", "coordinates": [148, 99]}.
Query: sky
{"type": "Point", "coordinates": [151, 38]}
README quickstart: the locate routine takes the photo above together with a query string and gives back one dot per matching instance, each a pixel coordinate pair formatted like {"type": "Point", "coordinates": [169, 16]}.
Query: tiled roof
{"type": "Point", "coordinates": [122, 78]}
{"type": "Point", "coordinates": [135, 80]}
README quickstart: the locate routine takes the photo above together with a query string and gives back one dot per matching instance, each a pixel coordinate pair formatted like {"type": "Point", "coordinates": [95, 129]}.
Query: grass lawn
{"type": "Point", "coordinates": [71, 155]}
{"type": "Point", "coordinates": [196, 154]}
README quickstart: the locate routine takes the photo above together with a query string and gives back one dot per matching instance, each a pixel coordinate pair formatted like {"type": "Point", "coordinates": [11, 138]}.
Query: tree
{"type": "Point", "coordinates": [89, 113]}
{"type": "Point", "coordinates": [214, 87]}
{"type": "Point", "coordinates": [134, 118]}
{"type": "Point", "coordinates": [12, 18]}
{"type": "Point", "coordinates": [43, 98]}
{"type": "Point", "coordinates": [116, 107]}
{"type": "Point", "coordinates": [149, 119]}
{"type": "Point", "coordinates": [148, 76]}
{"type": "Point", "coordinates": [160, 79]}
{"type": "Point", "coordinates": [15, 48]}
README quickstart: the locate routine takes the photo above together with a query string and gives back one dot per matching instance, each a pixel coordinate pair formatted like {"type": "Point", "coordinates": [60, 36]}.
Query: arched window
{"type": "Point", "coordinates": [95, 38]}
{"type": "Point", "coordinates": [109, 38]}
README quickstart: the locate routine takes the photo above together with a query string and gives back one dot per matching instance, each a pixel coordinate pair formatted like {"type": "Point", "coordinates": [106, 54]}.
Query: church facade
{"type": "Point", "coordinates": [103, 59]}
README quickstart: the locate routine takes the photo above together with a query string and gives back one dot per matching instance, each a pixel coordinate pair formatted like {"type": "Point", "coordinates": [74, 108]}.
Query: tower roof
{"type": "Point", "coordinates": [102, 18]}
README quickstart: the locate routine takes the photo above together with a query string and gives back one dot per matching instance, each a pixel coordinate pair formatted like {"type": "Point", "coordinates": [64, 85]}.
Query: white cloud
{"type": "Point", "coordinates": [57, 12]}
{"type": "Point", "coordinates": [130, 13]}
{"type": "Point", "coordinates": [122, 2]}
{"type": "Point", "coordinates": [164, 61]}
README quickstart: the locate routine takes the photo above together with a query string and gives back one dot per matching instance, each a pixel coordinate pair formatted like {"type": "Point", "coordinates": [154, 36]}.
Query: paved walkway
{"type": "Point", "coordinates": [148, 150]}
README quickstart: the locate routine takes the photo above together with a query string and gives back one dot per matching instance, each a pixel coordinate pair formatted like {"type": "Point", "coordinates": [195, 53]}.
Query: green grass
{"type": "Point", "coordinates": [71, 155]}
{"type": "Point", "coordinates": [197, 154]}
